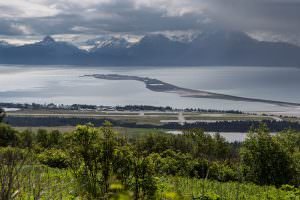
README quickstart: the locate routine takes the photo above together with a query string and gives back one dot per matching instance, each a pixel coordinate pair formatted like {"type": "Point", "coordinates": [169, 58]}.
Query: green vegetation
{"type": "Point", "coordinates": [102, 163]}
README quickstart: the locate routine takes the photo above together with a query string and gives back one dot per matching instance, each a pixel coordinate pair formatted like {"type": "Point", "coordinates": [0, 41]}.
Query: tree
{"type": "Point", "coordinates": [123, 164]}
{"type": "Point", "coordinates": [55, 139]}
{"type": "Point", "coordinates": [107, 156]}
{"type": "Point", "coordinates": [26, 139]}
{"type": "Point", "coordinates": [85, 151]}
{"type": "Point", "coordinates": [144, 181]}
{"type": "Point", "coordinates": [221, 147]}
{"type": "Point", "coordinates": [42, 138]}
{"type": "Point", "coordinates": [264, 159]}
{"type": "Point", "coordinates": [8, 136]}
{"type": "Point", "coordinates": [290, 141]}
{"type": "Point", "coordinates": [92, 155]}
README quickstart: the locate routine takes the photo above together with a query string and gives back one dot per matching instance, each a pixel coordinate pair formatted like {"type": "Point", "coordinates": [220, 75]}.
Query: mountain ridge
{"type": "Point", "coordinates": [209, 48]}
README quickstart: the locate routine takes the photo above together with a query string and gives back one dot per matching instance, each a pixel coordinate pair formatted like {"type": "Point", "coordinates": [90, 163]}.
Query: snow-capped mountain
{"type": "Point", "coordinates": [184, 38]}
{"type": "Point", "coordinates": [109, 43]}
{"type": "Point", "coordinates": [229, 48]}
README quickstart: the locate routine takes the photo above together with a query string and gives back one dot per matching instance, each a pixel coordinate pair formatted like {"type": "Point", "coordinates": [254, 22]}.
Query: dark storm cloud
{"type": "Point", "coordinates": [279, 17]}
{"type": "Point", "coordinates": [114, 17]}
{"type": "Point", "coordinates": [271, 15]}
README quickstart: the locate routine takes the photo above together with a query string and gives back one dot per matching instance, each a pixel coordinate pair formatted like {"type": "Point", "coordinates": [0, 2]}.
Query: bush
{"type": "Point", "coordinates": [264, 159]}
{"type": "Point", "coordinates": [209, 196]}
{"type": "Point", "coordinates": [54, 158]}
{"type": "Point", "coordinates": [200, 168]}
{"type": "Point", "coordinates": [8, 136]}
{"type": "Point", "coordinates": [222, 172]}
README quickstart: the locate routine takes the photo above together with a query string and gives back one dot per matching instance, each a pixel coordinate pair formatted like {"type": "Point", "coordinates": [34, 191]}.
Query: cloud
{"type": "Point", "coordinates": [29, 8]}
{"type": "Point", "coordinates": [41, 17]}
{"type": "Point", "coordinates": [13, 28]}
{"type": "Point", "coordinates": [276, 15]}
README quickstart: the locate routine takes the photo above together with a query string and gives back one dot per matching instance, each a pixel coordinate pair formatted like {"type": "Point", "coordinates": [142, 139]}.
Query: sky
{"type": "Point", "coordinates": [26, 21]}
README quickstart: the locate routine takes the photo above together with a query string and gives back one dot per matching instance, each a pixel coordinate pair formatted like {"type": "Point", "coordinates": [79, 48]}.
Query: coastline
{"type": "Point", "coordinates": [160, 86]}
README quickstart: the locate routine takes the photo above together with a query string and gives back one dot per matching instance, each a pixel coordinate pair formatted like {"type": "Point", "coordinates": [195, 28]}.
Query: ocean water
{"type": "Point", "coordinates": [65, 85]}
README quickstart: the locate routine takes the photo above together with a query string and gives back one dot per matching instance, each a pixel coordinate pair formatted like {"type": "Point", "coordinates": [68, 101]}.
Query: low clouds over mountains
{"type": "Point", "coordinates": [209, 48]}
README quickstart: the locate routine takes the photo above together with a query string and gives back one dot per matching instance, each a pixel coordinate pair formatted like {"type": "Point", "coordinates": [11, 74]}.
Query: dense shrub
{"type": "Point", "coordinates": [8, 136]}
{"type": "Point", "coordinates": [265, 160]}
{"type": "Point", "coordinates": [54, 158]}
{"type": "Point", "coordinates": [222, 172]}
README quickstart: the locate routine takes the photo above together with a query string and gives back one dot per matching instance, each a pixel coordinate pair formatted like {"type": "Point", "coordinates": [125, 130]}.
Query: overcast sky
{"type": "Point", "coordinates": [25, 20]}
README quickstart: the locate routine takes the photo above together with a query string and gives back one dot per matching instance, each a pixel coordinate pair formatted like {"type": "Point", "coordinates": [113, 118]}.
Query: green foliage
{"type": "Point", "coordinates": [109, 144]}
{"type": "Point", "coordinates": [264, 159]}
{"type": "Point", "coordinates": [36, 182]}
{"type": "Point", "coordinates": [93, 162]}
{"type": "Point", "coordinates": [144, 181]}
{"type": "Point", "coordinates": [54, 139]}
{"type": "Point", "coordinates": [170, 162]}
{"type": "Point", "coordinates": [296, 167]}
{"type": "Point", "coordinates": [85, 153]}
{"type": "Point", "coordinates": [123, 164]}
{"type": "Point", "coordinates": [54, 158]}
{"type": "Point", "coordinates": [194, 142]}
{"type": "Point", "coordinates": [186, 189]}
{"type": "Point", "coordinates": [92, 155]}
{"type": "Point", "coordinates": [209, 196]}
{"type": "Point", "coordinates": [290, 141]}
{"type": "Point", "coordinates": [26, 139]}
{"type": "Point", "coordinates": [222, 172]}
{"type": "Point", "coordinates": [8, 136]}
{"type": "Point", "coordinates": [42, 138]}
{"type": "Point", "coordinates": [11, 162]}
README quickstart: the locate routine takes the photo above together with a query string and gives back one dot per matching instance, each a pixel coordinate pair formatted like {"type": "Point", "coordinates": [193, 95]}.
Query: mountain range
{"type": "Point", "coordinates": [218, 48]}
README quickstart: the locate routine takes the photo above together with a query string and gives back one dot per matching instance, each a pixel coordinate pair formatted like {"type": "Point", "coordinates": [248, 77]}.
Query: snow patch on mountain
{"type": "Point", "coordinates": [107, 42]}
{"type": "Point", "coordinates": [5, 44]}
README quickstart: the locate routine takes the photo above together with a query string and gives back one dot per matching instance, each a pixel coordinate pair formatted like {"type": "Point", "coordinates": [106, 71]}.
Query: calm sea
{"type": "Point", "coordinates": [64, 85]}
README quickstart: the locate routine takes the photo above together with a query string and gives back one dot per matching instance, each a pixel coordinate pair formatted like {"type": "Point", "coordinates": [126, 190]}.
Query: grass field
{"type": "Point", "coordinates": [187, 189]}
{"type": "Point", "coordinates": [39, 182]}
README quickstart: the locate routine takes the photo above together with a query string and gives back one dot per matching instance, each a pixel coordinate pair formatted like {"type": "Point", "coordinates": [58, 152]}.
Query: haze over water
{"type": "Point", "coordinates": [64, 85]}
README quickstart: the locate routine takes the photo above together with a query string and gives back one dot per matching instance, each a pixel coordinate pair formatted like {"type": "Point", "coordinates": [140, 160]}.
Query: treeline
{"type": "Point", "coordinates": [105, 163]}
{"type": "Point", "coordinates": [144, 108]}
{"type": "Point", "coordinates": [213, 111]}
{"type": "Point", "coordinates": [51, 106]}
{"type": "Point", "coordinates": [221, 126]}
{"type": "Point", "coordinates": [170, 109]}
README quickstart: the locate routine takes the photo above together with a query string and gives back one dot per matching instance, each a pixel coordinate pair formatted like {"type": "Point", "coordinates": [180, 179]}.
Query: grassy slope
{"type": "Point", "coordinates": [59, 184]}
{"type": "Point", "coordinates": [188, 188]}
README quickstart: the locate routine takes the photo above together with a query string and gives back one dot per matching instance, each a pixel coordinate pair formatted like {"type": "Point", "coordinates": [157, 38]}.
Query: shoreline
{"type": "Point", "coordinates": [160, 86]}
